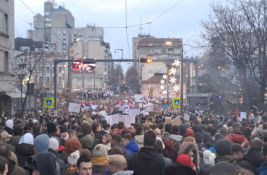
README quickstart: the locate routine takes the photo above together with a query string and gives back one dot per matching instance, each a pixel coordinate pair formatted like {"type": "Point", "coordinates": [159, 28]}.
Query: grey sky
{"type": "Point", "coordinates": [182, 21]}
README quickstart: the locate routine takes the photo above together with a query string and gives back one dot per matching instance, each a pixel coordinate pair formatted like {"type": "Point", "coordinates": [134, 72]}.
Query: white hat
{"type": "Point", "coordinates": [10, 123]}
{"type": "Point", "coordinates": [27, 138]}
{"type": "Point", "coordinates": [53, 144]}
{"type": "Point", "coordinates": [73, 157]}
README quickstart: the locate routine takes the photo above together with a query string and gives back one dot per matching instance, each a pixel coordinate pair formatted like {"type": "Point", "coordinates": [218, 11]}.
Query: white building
{"type": "Point", "coordinates": [7, 79]}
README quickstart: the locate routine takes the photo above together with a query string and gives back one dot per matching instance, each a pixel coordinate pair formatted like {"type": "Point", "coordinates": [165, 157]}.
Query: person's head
{"type": "Point", "coordinates": [51, 128]}
{"type": "Point", "coordinates": [168, 128]}
{"type": "Point", "coordinates": [120, 125]}
{"type": "Point", "coordinates": [96, 127]}
{"type": "Point", "coordinates": [72, 145]}
{"type": "Point", "coordinates": [86, 129]}
{"type": "Point", "coordinates": [114, 129]}
{"type": "Point", "coordinates": [5, 151]}
{"type": "Point", "coordinates": [53, 144]}
{"type": "Point", "coordinates": [236, 128]}
{"type": "Point", "coordinates": [238, 151]}
{"type": "Point", "coordinates": [149, 139]}
{"type": "Point", "coordinates": [132, 129]}
{"type": "Point", "coordinates": [159, 145]}
{"type": "Point", "coordinates": [257, 144]}
{"type": "Point", "coordinates": [42, 163]}
{"type": "Point", "coordinates": [37, 129]}
{"type": "Point", "coordinates": [3, 165]}
{"type": "Point", "coordinates": [223, 147]}
{"type": "Point", "coordinates": [41, 143]}
{"type": "Point", "coordinates": [126, 138]}
{"type": "Point", "coordinates": [176, 130]}
{"type": "Point", "coordinates": [106, 127]}
{"type": "Point", "coordinates": [84, 165]}
{"type": "Point", "coordinates": [4, 137]}
{"type": "Point", "coordinates": [117, 163]}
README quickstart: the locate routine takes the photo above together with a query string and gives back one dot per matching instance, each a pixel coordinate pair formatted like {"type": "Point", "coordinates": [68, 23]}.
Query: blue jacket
{"type": "Point", "coordinates": [132, 148]}
{"type": "Point", "coordinates": [262, 170]}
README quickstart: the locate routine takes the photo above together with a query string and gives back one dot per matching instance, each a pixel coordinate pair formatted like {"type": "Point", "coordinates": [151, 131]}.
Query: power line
{"type": "Point", "coordinates": [126, 29]}
{"type": "Point", "coordinates": [167, 10]}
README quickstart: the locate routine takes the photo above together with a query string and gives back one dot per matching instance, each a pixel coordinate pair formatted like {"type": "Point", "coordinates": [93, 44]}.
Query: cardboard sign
{"type": "Point", "coordinates": [168, 120]}
{"type": "Point", "coordinates": [186, 117]}
{"type": "Point", "coordinates": [116, 118]}
{"type": "Point", "coordinates": [176, 121]}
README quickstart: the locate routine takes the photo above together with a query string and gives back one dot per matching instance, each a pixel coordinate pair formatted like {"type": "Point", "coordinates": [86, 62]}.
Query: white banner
{"type": "Point", "coordinates": [74, 107]}
{"type": "Point", "coordinates": [116, 118]}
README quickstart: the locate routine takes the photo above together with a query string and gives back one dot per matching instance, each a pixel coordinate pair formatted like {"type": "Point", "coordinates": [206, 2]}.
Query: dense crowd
{"type": "Point", "coordinates": [86, 144]}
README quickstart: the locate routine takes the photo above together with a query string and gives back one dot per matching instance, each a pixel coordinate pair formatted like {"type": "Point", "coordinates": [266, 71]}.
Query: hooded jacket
{"type": "Point", "coordinates": [24, 152]}
{"type": "Point", "coordinates": [252, 160]}
{"type": "Point", "coordinates": [131, 149]}
{"type": "Point", "coordinates": [147, 161]}
{"type": "Point", "coordinates": [46, 163]}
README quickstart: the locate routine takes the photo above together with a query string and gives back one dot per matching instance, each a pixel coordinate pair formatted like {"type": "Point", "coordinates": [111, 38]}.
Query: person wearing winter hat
{"type": "Point", "coordinates": [42, 163]}
{"type": "Point", "coordinates": [41, 143]}
{"type": "Point", "coordinates": [237, 136]}
{"type": "Point", "coordinates": [184, 165]}
{"type": "Point", "coordinates": [224, 151]}
{"type": "Point", "coordinates": [25, 148]}
{"type": "Point", "coordinates": [190, 149]}
{"type": "Point", "coordinates": [118, 165]}
{"type": "Point", "coordinates": [100, 159]}
{"type": "Point", "coordinates": [130, 145]}
{"type": "Point", "coordinates": [254, 157]}
{"type": "Point", "coordinates": [9, 125]}
{"type": "Point", "coordinates": [147, 160]}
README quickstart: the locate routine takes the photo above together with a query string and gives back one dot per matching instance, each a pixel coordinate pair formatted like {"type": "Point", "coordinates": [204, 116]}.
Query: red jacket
{"type": "Point", "coordinates": [236, 138]}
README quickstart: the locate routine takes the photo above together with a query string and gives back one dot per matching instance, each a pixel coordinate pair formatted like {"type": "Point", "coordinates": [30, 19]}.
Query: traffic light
{"type": "Point", "coordinates": [146, 60]}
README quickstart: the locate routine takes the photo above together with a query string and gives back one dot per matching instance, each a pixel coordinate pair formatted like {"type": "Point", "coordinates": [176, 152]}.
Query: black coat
{"type": "Point", "coordinates": [24, 152]}
{"type": "Point", "coordinates": [252, 160]}
{"type": "Point", "coordinates": [147, 161]}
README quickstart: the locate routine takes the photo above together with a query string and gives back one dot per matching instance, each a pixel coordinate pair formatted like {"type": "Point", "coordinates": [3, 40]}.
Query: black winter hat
{"type": "Point", "coordinates": [223, 147]}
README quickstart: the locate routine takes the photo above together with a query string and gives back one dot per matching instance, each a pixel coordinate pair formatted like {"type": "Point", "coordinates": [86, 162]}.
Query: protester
{"type": "Point", "coordinates": [130, 145]}
{"type": "Point", "coordinates": [147, 160]}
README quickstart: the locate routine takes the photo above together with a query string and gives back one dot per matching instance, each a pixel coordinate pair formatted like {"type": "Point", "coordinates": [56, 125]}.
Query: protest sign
{"type": "Point", "coordinates": [74, 107]}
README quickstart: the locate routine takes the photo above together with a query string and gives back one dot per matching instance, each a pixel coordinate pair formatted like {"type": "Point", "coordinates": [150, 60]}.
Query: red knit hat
{"type": "Point", "coordinates": [189, 132]}
{"type": "Point", "coordinates": [185, 160]}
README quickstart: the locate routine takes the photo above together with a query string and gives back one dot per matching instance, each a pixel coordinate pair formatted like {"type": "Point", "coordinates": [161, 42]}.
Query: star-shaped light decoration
{"type": "Point", "coordinates": [162, 81]}
{"type": "Point", "coordinates": [173, 80]}
{"type": "Point", "coordinates": [172, 71]}
{"type": "Point", "coordinates": [164, 76]}
{"type": "Point", "coordinates": [176, 63]}
{"type": "Point", "coordinates": [164, 92]}
{"type": "Point", "coordinates": [176, 88]}
{"type": "Point", "coordinates": [162, 87]}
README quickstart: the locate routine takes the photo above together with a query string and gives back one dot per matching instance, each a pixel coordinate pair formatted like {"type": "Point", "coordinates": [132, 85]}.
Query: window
{"type": "Point", "coordinates": [6, 24]}
{"type": "Point", "coordinates": [47, 80]}
{"type": "Point", "coordinates": [47, 70]}
{"type": "Point", "coordinates": [59, 79]}
{"type": "Point", "coordinates": [59, 69]}
{"type": "Point", "coordinates": [6, 61]}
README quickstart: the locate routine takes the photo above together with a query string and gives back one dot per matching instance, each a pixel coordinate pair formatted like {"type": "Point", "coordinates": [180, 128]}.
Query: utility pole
{"type": "Point", "coordinates": [181, 78]}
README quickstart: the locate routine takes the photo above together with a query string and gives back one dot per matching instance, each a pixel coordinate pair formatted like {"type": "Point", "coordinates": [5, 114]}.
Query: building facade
{"type": "Point", "coordinates": [7, 78]}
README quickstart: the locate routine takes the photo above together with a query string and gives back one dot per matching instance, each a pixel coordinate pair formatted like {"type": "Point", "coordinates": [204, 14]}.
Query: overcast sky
{"type": "Point", "coordinates": [183, 20]}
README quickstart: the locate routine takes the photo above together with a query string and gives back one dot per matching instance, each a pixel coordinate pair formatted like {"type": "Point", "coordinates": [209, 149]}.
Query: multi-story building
{"type": "Point", "coordinates": [93, 80]}
{"type": "Point", "coordinates": [57, 30]}
{"type": "Point", "coordinates": [7, 79]}
{"type": "Point", "coordinates": [158, 48]}
{"type": "Point", "coordinates": [164, 52]}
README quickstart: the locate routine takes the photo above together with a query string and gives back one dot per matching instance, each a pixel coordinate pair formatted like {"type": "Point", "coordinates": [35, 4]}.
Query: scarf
{"type": "Point", "coordinates": [100, 161]}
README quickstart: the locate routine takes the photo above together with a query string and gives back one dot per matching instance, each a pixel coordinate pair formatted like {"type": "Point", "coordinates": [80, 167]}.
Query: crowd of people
{"type": "Point", "coordinates": [86, 144]}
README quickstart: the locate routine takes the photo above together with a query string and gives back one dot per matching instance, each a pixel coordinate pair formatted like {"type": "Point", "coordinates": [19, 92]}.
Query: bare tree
{"type": "Point", "coordinates": [25, 66]}
{"type": "Point", "coordinates": [132, 79]}
{"type": "Point", "coordinates": [236, 29]}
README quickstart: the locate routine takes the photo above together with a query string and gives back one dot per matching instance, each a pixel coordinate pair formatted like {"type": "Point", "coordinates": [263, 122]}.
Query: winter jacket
{"type": "Point", "coordinates": [24, 152]}
{"type": "Point", "coordinates": [14, 169]}
{"type": "Point", "coordinates": [225, 158]}
{"type": "Point", "coordinates": [147, 161]}
{"type": "Point", "coordinates": [262, 170]}
{"type": "Point", "coordinates": [236, 138]}
{"type": "Point", "coordinates": [123, 173]}
{"type": "Point", "coordinates": [131, 149]}
{"type": "Point", "coordinates": [252, 160]}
